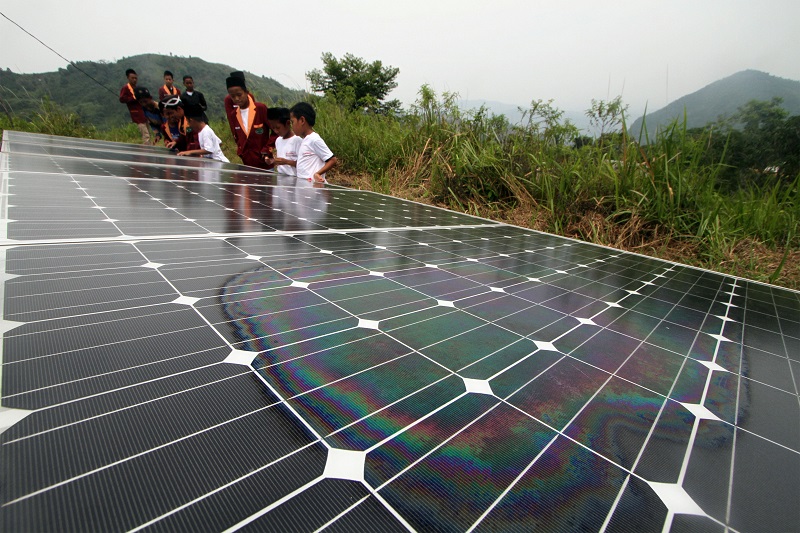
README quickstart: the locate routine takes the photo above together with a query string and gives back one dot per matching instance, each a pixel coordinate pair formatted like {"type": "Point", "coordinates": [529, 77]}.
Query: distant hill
{"type": "Point", "coordinates": [722, 99]}
{"type": "Point", "coordinates": [95, 105]}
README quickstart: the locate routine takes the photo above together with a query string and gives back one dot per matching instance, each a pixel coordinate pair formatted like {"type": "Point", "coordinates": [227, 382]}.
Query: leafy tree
{"type": "Point", "coordinates": [545, 121]}
{"type": "Point", "coordinates": [356, 83]}
{"type": "Point", "coordinates": [757, 142]}
{"type": "Point", "coordinates": [761, 123]}
{"type": "Point", "coordinates": [607, 116]}
{"type": "Point", "coordinates": [789, 147]}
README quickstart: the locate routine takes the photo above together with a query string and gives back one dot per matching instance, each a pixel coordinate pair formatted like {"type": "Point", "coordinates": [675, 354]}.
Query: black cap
{"type": "Point", "coordinates": [237, 74]}
{"type": "Point", "coordinates": [194, 114]}
{"type": "Point", "coordinates": [233, 81]}
{"type": "Point", "coordinates": [141, 92]}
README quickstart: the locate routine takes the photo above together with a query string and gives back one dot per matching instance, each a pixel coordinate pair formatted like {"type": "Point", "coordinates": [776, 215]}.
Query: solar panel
{"type": "Point", "coordinates": [195, 346]}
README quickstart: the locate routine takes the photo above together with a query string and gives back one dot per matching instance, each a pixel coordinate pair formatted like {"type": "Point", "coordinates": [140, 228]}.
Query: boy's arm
{"type": "Point", "coordinates": [319, 147]}
{"type": "Point", "coordinates": [125, 95]}
{"type": "Point", "coordinates": [203, 104]}
{"type": "Point", "coordinates": [283, 161]}
{"type": "Point", "coordinates": [329, 164]}
{"type": "Point", "coordinates": [200, 152]}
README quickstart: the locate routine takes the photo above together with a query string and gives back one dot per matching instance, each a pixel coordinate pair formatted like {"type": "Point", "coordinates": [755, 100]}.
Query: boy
{"type": "Point", "coordinates": [151, 112]}
{"type": "Point", "coordinates": [248, 122]}
{"type": "Point", "coordinates": [194, 101]}
{"type": "Point", "coordinates": [168, 89]}
{"type": "Point", "coordinates": [208, 141]}
{"type": "Point", "coordinates": [229, 107]}
{"type": "Point", "coordinates": [287, 145]}
{"type": "Point", "coordinates": [127, 96]}
{"type": "Point", "coordinates": [178, 135]}
{"type": "Point", "coordinates": [314, 158]}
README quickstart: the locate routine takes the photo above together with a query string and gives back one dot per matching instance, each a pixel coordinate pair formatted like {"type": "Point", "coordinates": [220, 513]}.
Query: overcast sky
{"type": "Point", "coordinates": [512, 51]}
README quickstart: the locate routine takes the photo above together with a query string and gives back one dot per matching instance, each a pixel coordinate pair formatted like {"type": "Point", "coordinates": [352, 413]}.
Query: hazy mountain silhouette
{"type": "Point", "coordinates": [722, 99]}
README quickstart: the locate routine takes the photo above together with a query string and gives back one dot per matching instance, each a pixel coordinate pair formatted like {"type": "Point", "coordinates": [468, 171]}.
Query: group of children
{"type": "Point", "coordinates": [267, 138]}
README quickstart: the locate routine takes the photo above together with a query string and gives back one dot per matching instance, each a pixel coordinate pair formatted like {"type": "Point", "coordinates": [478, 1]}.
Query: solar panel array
{"type": "Point", "coordinates": [191, 345]}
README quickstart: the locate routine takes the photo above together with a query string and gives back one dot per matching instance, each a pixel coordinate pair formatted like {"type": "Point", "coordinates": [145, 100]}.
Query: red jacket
{"type": "Point", "coordinates": [229, 107]}
{"type": "Point", "coordinates": [126, 96]}
{"type": "Point", "coordinates": [257, 141]}
{"type": "Point", "coordinates": [163, 91]}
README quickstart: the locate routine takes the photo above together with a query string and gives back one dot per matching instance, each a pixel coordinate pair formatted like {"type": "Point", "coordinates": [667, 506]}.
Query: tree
{"type": "Point", "coordinates": [756, 143]}
{"type": "Point", "coordinates": [355, 83]}
{"type": "Point", "coordinates": [607, 116]}
{"type": "Point", "coordinates": [544, 121]}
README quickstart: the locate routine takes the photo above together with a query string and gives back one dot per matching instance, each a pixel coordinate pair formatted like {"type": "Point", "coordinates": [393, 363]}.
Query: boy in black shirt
{"type": "Point", "coordinates": [193, 101]}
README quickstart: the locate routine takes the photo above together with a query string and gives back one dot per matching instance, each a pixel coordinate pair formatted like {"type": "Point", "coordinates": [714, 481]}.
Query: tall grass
{"type": "Point", "coordinates": [615, 191]}
{"type": "Point", "coordinates": [50, 119]}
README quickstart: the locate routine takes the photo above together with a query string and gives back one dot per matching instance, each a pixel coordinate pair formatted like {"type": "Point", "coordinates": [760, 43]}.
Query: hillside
{"type": "Point", "coordinates": [74, 91]}
{"type": "Point", "coordinates": [723, 98]}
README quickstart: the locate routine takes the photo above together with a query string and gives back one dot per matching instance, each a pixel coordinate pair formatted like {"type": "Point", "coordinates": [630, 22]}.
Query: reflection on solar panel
{"type": "Point", "coordinates": [193, 346]}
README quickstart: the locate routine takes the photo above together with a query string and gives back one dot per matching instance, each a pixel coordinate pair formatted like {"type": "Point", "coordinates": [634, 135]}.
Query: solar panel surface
{"type": "Point", "coordinates": [194, 346]}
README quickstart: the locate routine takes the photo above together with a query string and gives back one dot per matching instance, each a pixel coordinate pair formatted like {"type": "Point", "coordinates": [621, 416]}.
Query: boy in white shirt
{"type": "Point", "coordinates": [314, 158]}
{"type": "Point", "coordinates": [287, 145]}
{"type": "Point", "coordinates": [209, 142]}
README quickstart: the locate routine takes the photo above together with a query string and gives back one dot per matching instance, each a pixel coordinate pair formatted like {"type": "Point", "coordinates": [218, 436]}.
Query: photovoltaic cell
{"type": "Point", "coordinates": [195, 346]}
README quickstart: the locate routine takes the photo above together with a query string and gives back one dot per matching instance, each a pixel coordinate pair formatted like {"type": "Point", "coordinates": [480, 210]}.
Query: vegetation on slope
{"type": "Point", "coordinates": [76, 93]}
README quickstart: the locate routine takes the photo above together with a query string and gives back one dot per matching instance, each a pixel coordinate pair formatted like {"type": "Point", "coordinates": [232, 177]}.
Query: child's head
{"type": "Point", "coordinates": [173, 109]}
{"type": "Point", "coordinates": [279, 121]}
{"type": "Point", "coordinates": [132, 76]}
{"type": "Point", "coordinates": [303, 118]}
{"type": "Point", "coordinates": [168, 77]}
{"type": "Point", "coordinates": [195, 121]}
{"type": "Point", "coordinates": [238, 91]}
{"type": "Point", "coordinates": [188, 82]}
{"type": "Point", "coordinates": [144, 97]}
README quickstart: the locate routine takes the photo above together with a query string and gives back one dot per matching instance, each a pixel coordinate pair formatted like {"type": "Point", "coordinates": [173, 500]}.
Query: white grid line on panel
{"type": "Point", "coordinates": [127, 407]}
{"type": "Point", "coordinates": [137, 455]}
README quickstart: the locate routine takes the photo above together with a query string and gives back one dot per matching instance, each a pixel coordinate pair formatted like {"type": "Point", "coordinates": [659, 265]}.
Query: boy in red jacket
{"type": "Point", "coordinates": [127, 96]}
{"type": "Point", "coordinates": [248, 121]}
{"type": "Point", "coordinates": [228, 102]}
{"type": "Point", "coordinates": [168, 89]}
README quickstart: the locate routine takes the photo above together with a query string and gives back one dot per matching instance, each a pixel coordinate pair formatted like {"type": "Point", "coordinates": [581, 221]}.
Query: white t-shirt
{"type": "Point", "coordinates": [312, 156]}
{"type": "Point", "coordinates": [288, 149]}
{"type": "Point", "coordinates": [245, 112]}
{"type": "Point", "coordinates": [210, 142]}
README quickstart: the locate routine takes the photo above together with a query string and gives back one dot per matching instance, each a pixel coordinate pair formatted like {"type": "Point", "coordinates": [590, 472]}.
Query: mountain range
{"type": "Point", "coordinates": [721, 98]}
